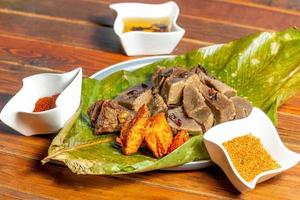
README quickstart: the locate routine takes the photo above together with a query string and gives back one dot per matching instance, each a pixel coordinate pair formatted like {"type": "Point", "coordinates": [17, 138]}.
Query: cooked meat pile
{"type": "Point", "coordinates": [184, 100]}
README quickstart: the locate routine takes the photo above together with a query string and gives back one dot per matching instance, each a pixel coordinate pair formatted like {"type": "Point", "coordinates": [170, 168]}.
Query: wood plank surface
{"type": "Point", "coordinates": [57, 36]}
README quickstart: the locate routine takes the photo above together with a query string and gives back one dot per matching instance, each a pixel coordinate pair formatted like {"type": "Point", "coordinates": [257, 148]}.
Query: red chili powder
{"type": "Point", "coordinates": [45, 103]}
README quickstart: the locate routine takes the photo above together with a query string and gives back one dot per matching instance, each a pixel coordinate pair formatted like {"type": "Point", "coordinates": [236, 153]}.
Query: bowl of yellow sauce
{"type": "Point", "coordinates": [147, 29]}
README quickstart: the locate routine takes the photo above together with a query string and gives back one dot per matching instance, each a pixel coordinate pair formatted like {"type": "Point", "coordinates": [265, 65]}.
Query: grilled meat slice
{"type": "Point", "coordinates": [94, 111]}
{"type": "Point", "coordinates": [135, 97]}
{"type": "Point", "coordinates": [173, 86]}
{"type": "Point", "coordinates": [222, 107]}
{"type": "Point", "coordinates": [111, 117]}
{"type": "Point", "coordinates": [157, 104]}
{"type": "Point", "coordinates": [212, 82]}
{"type": "Point", "coordinates": [221, 87]}
{"type": "Point", "coordinates": [208, 123]}
{"type": "Point", "coordinates": [159, 77]}
{"type": "Point", "coordinates": [178, 120]}
{"type": "Point", "coordinates": [194, 104]}
{"type": "Point", "coordinates": [242, 107]}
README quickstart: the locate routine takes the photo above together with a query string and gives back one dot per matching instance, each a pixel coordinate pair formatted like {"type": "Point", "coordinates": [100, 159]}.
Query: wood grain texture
{"type": "Point", "coordinates": [56, 36]}
{"type": "Point", "coordinates": [237, 12]}
{"type": "Point", "coordinates": [282, 4]}
{"type": "Point", "coordinates": [58, 182]}
{"type": "Point", "coordinates": [210, 30]}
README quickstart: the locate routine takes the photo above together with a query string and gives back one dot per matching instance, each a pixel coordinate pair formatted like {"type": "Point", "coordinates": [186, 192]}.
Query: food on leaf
{"type": "Point", "coordinates": [191, 99]}
{"type": "Point", "coordinates": [180, 138]}
{"type": "Point", "coordinates": [266, 84]}
{"type": "Point", "coordinates": [158, 136]}
{"type": "Point", "coordinates": [133, 132]}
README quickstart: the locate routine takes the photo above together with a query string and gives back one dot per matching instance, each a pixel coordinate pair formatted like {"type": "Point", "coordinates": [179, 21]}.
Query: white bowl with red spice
{"type": "Point", "coordinates": [260, 126]}
{"type": "Point", "coordinates": [39, 89]}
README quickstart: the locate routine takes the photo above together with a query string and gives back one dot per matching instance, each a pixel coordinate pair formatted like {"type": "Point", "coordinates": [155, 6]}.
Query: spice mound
{"type": "Point", "coordinates": [249, 156]}
{"type": "Point", "coordinates": [45, 103]}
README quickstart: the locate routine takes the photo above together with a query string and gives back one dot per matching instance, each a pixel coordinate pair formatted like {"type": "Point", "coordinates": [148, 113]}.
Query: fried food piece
{"type": "Point", "coordinates": [180, 138]}
{"type": "Point", "coordinates": [158, 135]}
{"type": "Point", "coordinates": [133, 133]}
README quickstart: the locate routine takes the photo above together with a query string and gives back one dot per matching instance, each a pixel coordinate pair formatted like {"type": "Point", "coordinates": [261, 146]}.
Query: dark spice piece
{"type": "Point", "coordinates": [176, 120]}
{"type": "Point", "coordinates": [138, 28]}
{"type": "Point", "coordinates": [184, 75]}
{"type": "Point", "coordinates": [213, 94]}
{"type": "Point", "coordinates": [133, 93]}
{"type": "Point", "coordinates": [166, 73]}
{"type": "Point", "coordinates": [144, 85]}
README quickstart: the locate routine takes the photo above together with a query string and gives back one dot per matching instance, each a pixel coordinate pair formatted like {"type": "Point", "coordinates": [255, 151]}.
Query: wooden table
{"type": "Point", "coordinates": [58, 35]}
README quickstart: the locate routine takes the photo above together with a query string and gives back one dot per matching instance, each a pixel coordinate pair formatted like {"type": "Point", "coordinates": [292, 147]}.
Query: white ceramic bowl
{"type": "Point", "coordinates": [259, 125]}
{"type": "Point", "coordinates": [17, 113]}
{"type": "Point", "coordinates": [147, 43]}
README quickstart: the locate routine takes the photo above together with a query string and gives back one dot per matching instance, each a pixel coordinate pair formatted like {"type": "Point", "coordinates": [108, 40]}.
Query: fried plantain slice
{"type": "Point", "coordinates": [158, 135]}
{"type": "Point", "coordinates": [180, 138]}
{"type": "Point", "coordinates": [133, 133]}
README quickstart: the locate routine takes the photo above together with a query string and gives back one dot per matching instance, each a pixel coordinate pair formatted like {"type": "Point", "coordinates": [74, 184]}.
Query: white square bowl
{"type": "Point", "coordinates": [259, 125]}
{"type": "Point", "coordinates": [147, 43]}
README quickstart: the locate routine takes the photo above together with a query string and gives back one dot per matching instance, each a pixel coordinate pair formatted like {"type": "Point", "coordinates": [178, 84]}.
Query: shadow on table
{"type": "Point", "coordinates": [212, 176]}
{"type": "Point", "coordinates": [65, 178]}
{"type": "Point", "coordinates": [6, 129]}
{"type": "Point", "coordinates": [104, 35]}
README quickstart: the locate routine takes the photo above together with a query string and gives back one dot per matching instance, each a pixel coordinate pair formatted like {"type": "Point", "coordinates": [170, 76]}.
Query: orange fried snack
{"type": "Point", "coordinates": [133, 132]}
{"type": "Point", "coordinates": [180, 138]}
{"type": "Point", "coordinates": [158, 136]}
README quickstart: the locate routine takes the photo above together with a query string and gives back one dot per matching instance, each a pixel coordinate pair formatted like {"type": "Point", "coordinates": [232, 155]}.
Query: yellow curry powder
{"type": "Point", "coordinates": [249, 156]}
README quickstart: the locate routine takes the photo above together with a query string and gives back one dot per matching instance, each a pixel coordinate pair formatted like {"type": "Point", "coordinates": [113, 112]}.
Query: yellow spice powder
{"type": "Point", "coordinates": [249, 156]}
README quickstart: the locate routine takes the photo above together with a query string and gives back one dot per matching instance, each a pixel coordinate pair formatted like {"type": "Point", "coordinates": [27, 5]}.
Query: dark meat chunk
{"type": "Point", "coordinates": [242, 107]}
{"type": "Point", "coordinates": [94, 111]}
{"type": "Point", "coordinates": [212, 82]}
{"type": "Point", "coordinates": [201, 72]}
{"type": "Point", "coordinates": [111, 117]}
{"type": "Point", "coordinates": [222, 107]}
{"type": "Point", "coordinates": [221, 87]}
{"type": "Point", "coordinates": [159, 77]}
{"type": "Point", "coordinates": [194, 104]}
{"type": "Point", "coordinates": [135, 97]}
{"type": "Point", "coordinates": [178, 121]}
{"type": "Point", "coordinates": [173, 86]}
{"type": "Point", "coordinates": [208, 123]}
{"type": "Point", "coordinates": [157, 104]}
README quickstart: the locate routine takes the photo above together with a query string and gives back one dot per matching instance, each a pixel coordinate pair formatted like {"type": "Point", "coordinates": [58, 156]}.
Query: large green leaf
{"type": "Point", "coordinates": [264, 68]}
